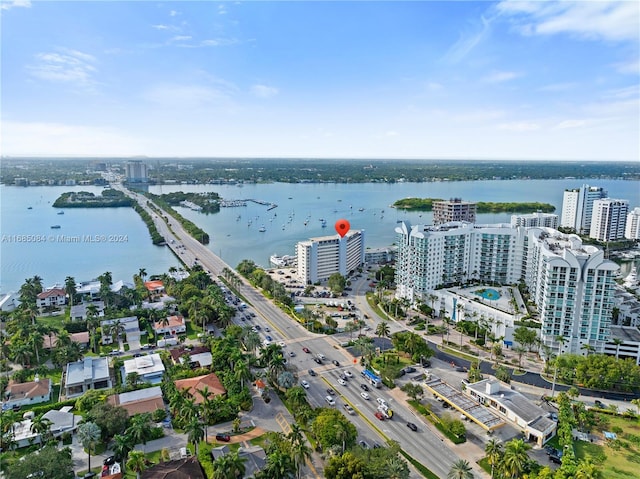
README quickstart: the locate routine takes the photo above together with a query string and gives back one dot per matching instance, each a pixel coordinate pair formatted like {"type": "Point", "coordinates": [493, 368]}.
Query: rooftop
{"type": "Point", "coordinates": [87, 370]}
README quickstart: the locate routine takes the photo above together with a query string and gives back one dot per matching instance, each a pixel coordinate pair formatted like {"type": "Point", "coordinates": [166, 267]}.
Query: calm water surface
{"type": "Point", "coordinates": [235, 232]}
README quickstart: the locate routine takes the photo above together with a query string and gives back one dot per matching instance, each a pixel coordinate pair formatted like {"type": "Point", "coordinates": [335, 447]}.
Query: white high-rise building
{"type": "Point", "coordinates": [608, 219]}
{"type": "Point", "coordinates": [572, 284]}
{"type": "Point", "coordinates": [546, 220]}
{"type": "Point", "coordinates": [577, 207]}
{"type": "Point", "coordinates": [136, 171]}
{"type": "Point", "coordinates": [632, 228]}
{"type": "Point", "coordinates": [319, 258]}
{"type": "Point", "coordinates": [573, 288]}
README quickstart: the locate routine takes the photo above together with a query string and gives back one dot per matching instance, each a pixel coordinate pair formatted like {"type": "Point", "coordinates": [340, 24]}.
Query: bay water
{"type": "Point", "coordinates": [116, 239]}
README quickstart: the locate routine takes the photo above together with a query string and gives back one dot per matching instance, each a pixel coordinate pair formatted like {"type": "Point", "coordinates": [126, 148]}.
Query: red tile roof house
{"type": "Point", "coordinates": [155, 288]}
{"type": "Point", "coordinates": [198, 383]}
{"type": "Point", "coordinates": [175, 325]}
{"type": "Point", "coordinates": [51, 297]}
{"type": "Point", "coordinates": [49, 342]}
{"type": "Point", "coordinates": [27, 394]}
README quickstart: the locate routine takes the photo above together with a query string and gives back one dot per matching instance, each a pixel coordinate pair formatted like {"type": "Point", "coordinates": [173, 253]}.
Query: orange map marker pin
{"type": "Point", "coordinates": [342, 227]}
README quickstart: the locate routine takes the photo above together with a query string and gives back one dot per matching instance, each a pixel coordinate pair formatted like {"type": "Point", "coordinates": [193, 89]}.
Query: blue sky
{"type": "Point", "coordinates": [504, 80]}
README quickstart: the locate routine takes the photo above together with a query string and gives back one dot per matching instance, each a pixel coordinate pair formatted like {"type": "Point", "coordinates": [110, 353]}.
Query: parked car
{"type": "Point", "coordinates": [412, 426]}
{"type": "Point", "coordinates": [409, 369]}
{"type": "Point", "coordinates": [292, 354]}
{"type": "Point", "coordinates": [306, 350]}
{"type": "Point", "coordinates": [223, 437]}
{"type": "Point", "coordinates": [363, 444]}
{"type": "Point", "coordinates": [109, 460]}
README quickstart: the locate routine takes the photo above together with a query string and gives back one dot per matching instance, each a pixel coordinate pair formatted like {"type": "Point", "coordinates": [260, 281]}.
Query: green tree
{"type": "Point", "coordinates": [336, 283]}
{"type": "Point", "coordinates": [48, 462]}
{"type": "Point", "coordinates": [331, 428]}
{"type": "Point", "coordinates": [346, 466]}
{"type": "Point", "coordinates": [515, 459]}
{"type": "Point", "coordinates": [414, 391]}
{"type": "Point", "coordinates": [460, 470]}
{"type": "Point", "coordinates": [42, 427]}
{"type": "Point", "coordinates": [137, 462]}
{"type": "Point", "coordinates": [89, 434]}
{"type": "Point", "coordinates": [493, 450]}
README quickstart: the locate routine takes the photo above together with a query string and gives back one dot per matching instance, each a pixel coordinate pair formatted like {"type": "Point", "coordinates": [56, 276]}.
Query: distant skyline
{"type": "Point", "coordinates": [322, 79]}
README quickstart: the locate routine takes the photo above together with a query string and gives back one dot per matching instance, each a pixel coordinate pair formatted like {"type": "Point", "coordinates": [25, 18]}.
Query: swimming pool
{"type": "Point", "coordinates": [488, 293]}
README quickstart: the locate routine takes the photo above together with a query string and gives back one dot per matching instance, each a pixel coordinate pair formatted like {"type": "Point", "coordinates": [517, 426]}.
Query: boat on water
{"type": "Point", "coordinates": [360, 209]}
{"type": "Point", "coordinates": [60, 212]}
{"type": "Point", "coordinates": [262, 229]}
{"type": "Point", "coordinates": [30, 207]}
{"type": "Point", "coordinates": [55, 227]}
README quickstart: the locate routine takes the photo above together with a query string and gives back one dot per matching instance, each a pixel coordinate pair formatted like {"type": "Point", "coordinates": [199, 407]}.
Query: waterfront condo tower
{"type": "Point", "coordinates": [608, 219]}
{"type": "Point", "coordinates": [453, 210]}
{"type": "Point", "coordinates": [632, 227]}
{"type": "Point", "coordinates": [571, 284]}
{"type": "Point", "coordinates": [319, 258]}
{"type": "Point", "coordinates": [577, 207]}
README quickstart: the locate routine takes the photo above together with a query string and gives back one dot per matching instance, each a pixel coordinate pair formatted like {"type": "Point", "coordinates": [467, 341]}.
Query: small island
{"type": "Point", "coordinates": [426, 204]}
{"type": "Point", "coordinates": [83, 199]}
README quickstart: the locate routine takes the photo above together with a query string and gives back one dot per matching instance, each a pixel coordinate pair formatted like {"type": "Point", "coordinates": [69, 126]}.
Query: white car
{"type": "Point", "coordinates": [365, 395]}
{"type": "Point", "coordinates": [305, 384]}
{"type": "Point", "coordinates": [381, 401]}
{"type": "Point", "coordinates": [342, 382]}
{"type": "Point", "coordinates": [348, 374]}
{"type": "Point", "coordinates": [330, 400]}
{"type": "Point", "coordinates": [320, 356]}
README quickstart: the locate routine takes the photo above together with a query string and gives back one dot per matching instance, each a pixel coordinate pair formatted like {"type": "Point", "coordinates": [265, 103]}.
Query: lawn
{"type": "Point", "coordinates": [620, 458]}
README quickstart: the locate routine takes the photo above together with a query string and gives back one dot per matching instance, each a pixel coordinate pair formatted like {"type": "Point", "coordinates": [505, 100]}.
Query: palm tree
{"type": "Point", "coordinates": [617, 342]}
{"type": "Point", "coordinates": [460, 470]}
{"type": "Point", "coordinates": [70, 288]}
{"type": "Point", "coordinates": [122, 444]}
{"type": "Point", "coordinates": [142, 273]}
{"type": "Point", "coordinates": [89, 434]}
{"type": "Point", "coordinates": [382, 330]}
{"type": "Point", "coordinates": [137, 462]}
{"type": "Point", "coordinates": [279, 465]}
{"type": "Point", "coordinates": [493, 450]}
{"type": "Point", "coordinates": [41, 426]}
{"type": "Point", "coordinates": [140, 428]}
{"type": "Point", "coordinates": [515, 459]}
{"type": "Point", "coordinates": [301, 451]}
{"type": "Point", "coordinates": [365, 347]}
{"type": "Point", "coordinates": [195, 432]}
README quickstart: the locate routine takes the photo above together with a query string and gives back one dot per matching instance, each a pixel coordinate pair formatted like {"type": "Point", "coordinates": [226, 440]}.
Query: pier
{"type": "Point", "coordinates": [236, 203]}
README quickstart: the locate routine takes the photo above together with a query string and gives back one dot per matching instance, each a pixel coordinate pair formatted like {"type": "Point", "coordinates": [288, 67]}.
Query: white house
{"type": "Point", "coordinates": [61, 421]}
{"type": "Point", "coordinates": [88, 373]}
{"type": "Point", "coordinates": [130, 325]}
{"type": "Point", "coordinates": [27, 394]}
{"type": "Point", "coordinates": [149, 368]}
{"type": "Point", "coordinates": [51, 297]}
{"type": "Point", "coordinates": [174, 325]}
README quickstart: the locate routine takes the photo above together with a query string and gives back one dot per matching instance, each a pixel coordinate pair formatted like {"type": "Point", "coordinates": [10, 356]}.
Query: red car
{"type": "Point", "coordinates": [379, 415]}
{"type": "Point", "coordinates": [306, 350]}
{"type": "Point", "coordinates": [223, 437]}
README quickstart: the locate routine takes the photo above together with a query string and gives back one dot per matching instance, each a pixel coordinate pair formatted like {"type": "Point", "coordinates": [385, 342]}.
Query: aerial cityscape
{"type": "Point", "coordinates": [320, 239]}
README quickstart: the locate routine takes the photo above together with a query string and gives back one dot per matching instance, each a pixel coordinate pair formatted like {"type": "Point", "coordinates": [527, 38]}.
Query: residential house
{"type": "Point", "coordinates": [199, 356]}
{"type": "Point", "coordinates": [61, 421]}
{"type": "Point", "coordinates": [140, 401]}
{"type": "Point", "coordinates": [198, 383]}
{"type": "Point", "coordinates": [172, 326]}
{"type": "Point", "coordinates": [79, 311]}
{"type": "Point", "coordinates": [149, 368]}
{"type": "Point", "coordinates": [52, 297]}
{"type": "Point", "coordinates": [9, 302]}
{"type": "Point", "coordinates": [50, 341]}
{"type": "Point", "coordinates": [130, 325]}
{"type": "Point", "coordinates": [255, 458]}
{"type": "Point", "coordinates": [155, 288]}
{"type": "Point", "coordinates": [27, 394]}
{"type": "Point", "coordinates": [187, 468]}
{"type": "Point", "coordinates": [88, 373]}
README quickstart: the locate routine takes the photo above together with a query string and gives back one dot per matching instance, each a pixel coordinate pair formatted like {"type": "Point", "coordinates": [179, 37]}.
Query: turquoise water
{"type": "Point", "coordinates": [488, 293]}
{"type": "Point", "coordinates": [231, 237]}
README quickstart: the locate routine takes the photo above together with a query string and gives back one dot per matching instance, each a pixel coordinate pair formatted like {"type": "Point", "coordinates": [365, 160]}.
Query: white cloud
{"type": "Point", "coordinates": [519, 126]}
{"type": "Point", "coordinates": [222, 10]}
{"type": "Point", "coordinates": [180, 38]}
{"type": "Point", "coordinates": [173, 13]}
{"type": "Point", "coordinates": [601, 20]}
{"type": "Point", "coordinates": [68, 66]}
{"type": "Point", "coordinates": [467, 42]}
{"type": "Point", "coordinates": [39, 138]}
{"type": "Point", "coordinates": [631, 66]}
{"type": "Point", "coordinates": [500, 77]}
{"type": "Point", "coordinates": [434, 86]}
{"type": "Point", "coordinates": [161, 27]}
{"type": "Point", "coordinates": [391, 133]}
{"type": "Point", "coordinates": [9, 4]}
{"type": "Point", "coordinates": [263, 91]}
{"type": "Point", "coordinates": [632, 91]}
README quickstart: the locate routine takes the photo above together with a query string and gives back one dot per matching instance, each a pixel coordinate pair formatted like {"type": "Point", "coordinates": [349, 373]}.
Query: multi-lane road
{"type": "Point", "coordinates": [425, 445]}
